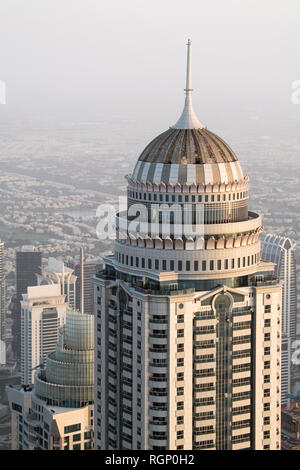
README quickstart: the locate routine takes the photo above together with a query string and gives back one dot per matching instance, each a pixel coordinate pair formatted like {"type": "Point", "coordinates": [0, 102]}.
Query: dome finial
{"type": "Point", "coordinates": [188, 118]}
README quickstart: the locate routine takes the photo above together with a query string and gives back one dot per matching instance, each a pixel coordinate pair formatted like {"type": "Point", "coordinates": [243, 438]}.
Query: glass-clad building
{"type": "Point", "coordinates": [58, 412]}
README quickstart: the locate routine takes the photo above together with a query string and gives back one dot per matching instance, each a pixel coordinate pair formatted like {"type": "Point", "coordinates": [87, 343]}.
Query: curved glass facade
{"type": "Point", "coordinates": [68, 379]}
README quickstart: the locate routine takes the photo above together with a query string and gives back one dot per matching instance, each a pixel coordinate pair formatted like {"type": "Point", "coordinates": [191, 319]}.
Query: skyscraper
{"type": "Point", "coordinates": [281, 251]}
{"type": "Point", "coordinates": [90, 268]}
{"type": "Point", "coordinates": [43, 312]}
{"type": "Point", "coordinates": [28, 265]}
{"type": "Point", "coordinates": [57, 273]}
{"type": "Point", "coordinates": [2, 293]}
{"type": "Point", "coordinates": [57, 413]}
{"type": "Point", "coordinates": [187, 315]}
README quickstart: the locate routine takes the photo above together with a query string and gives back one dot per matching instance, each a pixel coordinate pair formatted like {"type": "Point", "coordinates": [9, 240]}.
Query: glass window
{"type": "Point", "coordinates": [72, 428]}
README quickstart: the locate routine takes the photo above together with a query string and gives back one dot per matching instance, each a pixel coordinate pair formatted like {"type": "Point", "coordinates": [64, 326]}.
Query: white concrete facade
{"type": "Point", "coordinates": [43, 312]}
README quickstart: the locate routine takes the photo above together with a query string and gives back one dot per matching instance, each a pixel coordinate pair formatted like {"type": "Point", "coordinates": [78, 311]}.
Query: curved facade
{"type": "Point", "coordinates": [186, 312]}
{"type": "Point", "coordinates": [68, 379]}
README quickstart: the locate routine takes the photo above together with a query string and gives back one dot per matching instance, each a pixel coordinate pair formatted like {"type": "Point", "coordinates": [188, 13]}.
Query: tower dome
{"type": "Point", "coordinates": [188, 152]}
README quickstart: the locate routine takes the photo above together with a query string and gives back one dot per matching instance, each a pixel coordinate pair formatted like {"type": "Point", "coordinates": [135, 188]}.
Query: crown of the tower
{"type": "Point", "coordinates": [188, 152]}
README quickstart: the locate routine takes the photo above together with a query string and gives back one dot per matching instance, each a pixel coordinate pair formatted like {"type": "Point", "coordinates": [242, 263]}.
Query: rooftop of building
{"type": "Point", "coordinates": [188, 143]}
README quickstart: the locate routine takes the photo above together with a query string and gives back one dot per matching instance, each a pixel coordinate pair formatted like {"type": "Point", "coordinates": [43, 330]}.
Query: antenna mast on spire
{"type": "Point", "coordinates": [188, 118]}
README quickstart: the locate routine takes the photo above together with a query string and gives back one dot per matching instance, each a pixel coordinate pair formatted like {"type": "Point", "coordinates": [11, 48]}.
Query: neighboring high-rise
{"type": "Point", "coordinates": [43, 312]}
{"type": "Point", "coordinates": [187, 316]}
{"type": "Point", "coordinates": [89, 269]}
{"type": "Point", "coordinates": [2, 293]}
{"type": "Point", "coordinates": [57, 273]}
{"type": "Point", "coordinates": [281, 251]}
{"type": "Point", "coordinates": [57, 413]}
{"type": "Point", "coordinates": [28, 265]}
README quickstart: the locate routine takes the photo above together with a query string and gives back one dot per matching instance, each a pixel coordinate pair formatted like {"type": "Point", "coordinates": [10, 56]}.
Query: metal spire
{"type": "Point", "coordinates": [188, 118]}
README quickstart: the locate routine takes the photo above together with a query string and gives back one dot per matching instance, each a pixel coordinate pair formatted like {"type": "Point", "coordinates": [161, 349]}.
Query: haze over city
{"type": "Point", "coordinates": [90, 83]}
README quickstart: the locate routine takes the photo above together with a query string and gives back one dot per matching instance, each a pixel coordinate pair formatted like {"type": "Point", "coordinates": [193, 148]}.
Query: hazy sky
{"type": "Point", "coordinates": [127, 58]}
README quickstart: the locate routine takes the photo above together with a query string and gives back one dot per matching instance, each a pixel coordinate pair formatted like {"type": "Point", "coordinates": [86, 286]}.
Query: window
{"type": "Point", "coordinates": [76, 437]}
{"type": "Point", "coordinates": [211, 265]}
{"type": "Point", "coordinates": [219, 264]}
{"type": "Point", "coordinates": [195, 265]}
{"type": "Point", "coordinates": [72, 428]}
{"type": "Point", "coordinates": [203, 265]}
{"type": "Point", "coordinates": [179, 265]}
{"type": "Point", "coordinates": [156, 264]}
{"type": "Point", "coordinates": [188, 266]}
{"type": "Point", "coordinates": [16, 407]}
{"type": "Point", "coordinates": [76, 447]}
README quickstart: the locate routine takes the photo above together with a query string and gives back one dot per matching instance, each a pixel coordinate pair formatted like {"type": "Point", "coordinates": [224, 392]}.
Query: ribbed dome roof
{"type": "Point", "coordinates": [188, 146]}
{"type": "Point", "coordinates": [188, 156]}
